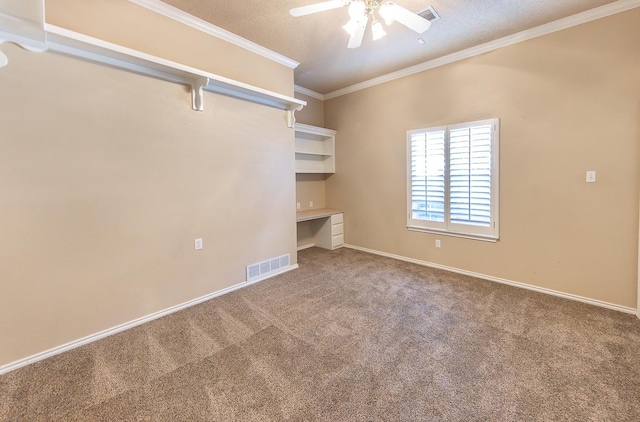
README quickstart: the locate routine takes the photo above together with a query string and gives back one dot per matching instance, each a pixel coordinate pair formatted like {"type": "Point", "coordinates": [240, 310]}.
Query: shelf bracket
{"type": "Point", "coordinates": [25, 26]}
{"type": "Point", "coordinates": [197, 87]}
{"type": "Point", "coordinates": [4, 60]}
{"type": "Point", "coordinates": [291, 115]}
{"type": "Point", "coordinates": [22, 24]}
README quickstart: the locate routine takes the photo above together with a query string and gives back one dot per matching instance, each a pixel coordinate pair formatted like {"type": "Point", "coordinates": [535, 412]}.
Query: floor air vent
{"type": "Point", "coordinates": [268, 267]}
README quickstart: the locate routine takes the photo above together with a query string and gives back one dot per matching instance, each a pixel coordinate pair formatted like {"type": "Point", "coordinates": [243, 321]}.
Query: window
{"type": "Point", "coordinates": [453, 179]}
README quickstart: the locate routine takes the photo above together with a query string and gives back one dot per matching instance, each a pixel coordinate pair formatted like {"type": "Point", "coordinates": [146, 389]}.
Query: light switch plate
{"type": "Point", "coordinates": [591, 176]}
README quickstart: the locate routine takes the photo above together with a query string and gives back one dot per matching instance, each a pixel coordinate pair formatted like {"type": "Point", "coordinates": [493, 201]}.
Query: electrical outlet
{"type": "Point", "coordinates": [591, 176]}
{"type": "Point", "coordinates": [437, 243]}
{"type": "Point", "coordinates": [298, 205]}
{"type": "Point", "coordinates": [310, 204]}
{"type": "Point", "coordinates": [198, 244]}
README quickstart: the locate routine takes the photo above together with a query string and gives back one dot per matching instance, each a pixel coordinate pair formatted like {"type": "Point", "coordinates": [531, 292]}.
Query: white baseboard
{"type": "Point", "coordinates": [569, 296]}
{"type": "Point", "coordinates": [310, 245]}
{"type": "Point", "coordinates": [122, 327]}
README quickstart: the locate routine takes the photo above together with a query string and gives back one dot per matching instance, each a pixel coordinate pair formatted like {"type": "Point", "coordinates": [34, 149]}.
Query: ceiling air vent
{"type": "Point", "coordinates": [429, 14]}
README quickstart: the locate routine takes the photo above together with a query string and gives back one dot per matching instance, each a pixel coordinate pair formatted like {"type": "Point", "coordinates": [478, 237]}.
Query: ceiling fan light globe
{"type": "Point", "coordinates": [377, 30]}
{"type": "Point", "coordinates": [357, 9]}
{"type": "Point", "coordinates": [387, 12]}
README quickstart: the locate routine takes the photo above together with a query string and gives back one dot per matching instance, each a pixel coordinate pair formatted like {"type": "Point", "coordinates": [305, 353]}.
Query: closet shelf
{"type": "Point", "coordinates": [314, 153]}
{"type": "Point", "coordinates": [61, 40]}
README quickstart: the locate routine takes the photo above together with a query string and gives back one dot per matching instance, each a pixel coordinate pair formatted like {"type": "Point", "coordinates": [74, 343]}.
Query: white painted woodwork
{"type": "Point", "coordinates": [526, 286]}
{"type": "Point", "coordinates": [134, 323]}
{"type": "Point", "coordinates": [74, 44]}
{"type": "Point", "coordinates": [22, 23]}
{"type": "Point", "coordinates": [315, 149]}
{"type": "Point", "coordinates": [208, 28]}
{"type": "Point", "coordinates": [603, 11]}
{"type": "Point", "coordinates": [327, 227]}
{"type": "Point", "coordinates": [317, 213]}
{"type": "Point", "coordinates": [329, 232]}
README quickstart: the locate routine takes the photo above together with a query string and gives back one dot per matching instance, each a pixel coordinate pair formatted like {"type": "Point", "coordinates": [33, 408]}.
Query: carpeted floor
{"type": "Point", "coordinates": [350, 337]}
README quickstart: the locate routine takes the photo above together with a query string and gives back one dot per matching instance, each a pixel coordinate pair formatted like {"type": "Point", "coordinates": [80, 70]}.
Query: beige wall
{"type": "Point", "coordinates": [124, 23]}
{"type": "Point", "coordinates": [309, 187]}
{"type": "Point", "coordinates": [106, 179]}
{"type": "Point", "coordinates": [568, 102]}
{"type": "Point", "coordinates": [313, 113]}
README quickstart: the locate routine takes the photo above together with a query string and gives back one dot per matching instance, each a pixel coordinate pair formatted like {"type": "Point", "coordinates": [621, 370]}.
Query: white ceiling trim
{"type": "Point", "coordinates": [204, 26]}
{"type": "Point", "coordinates": [568, 22]}
{"type": "Point", "coordinates": [309, 93]}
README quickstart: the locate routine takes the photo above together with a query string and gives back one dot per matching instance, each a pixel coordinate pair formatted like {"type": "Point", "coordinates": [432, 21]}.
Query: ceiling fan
{"type": "Point", "coordinates": [360, 11]}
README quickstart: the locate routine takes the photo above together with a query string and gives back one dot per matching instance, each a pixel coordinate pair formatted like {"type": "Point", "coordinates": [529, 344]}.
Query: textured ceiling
{"type": "Point", "coordinates": [320, 44]}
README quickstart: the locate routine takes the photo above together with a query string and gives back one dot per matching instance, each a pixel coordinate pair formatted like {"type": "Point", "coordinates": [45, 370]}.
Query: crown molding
{"type": "Point", "coordinates": [309, 93]}
{"type": "Point", "coordinates": [564, 23]}
{"type": "Point", "coordinates": [206, 27]}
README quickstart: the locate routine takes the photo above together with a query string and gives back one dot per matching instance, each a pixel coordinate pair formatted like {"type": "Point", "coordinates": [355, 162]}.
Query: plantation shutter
{"type": "Point", "coordinates": [427, 177]}
{"type": "Point", "coordinates": [453, 180]}
{"type": "Point", "coordinates": [470, 175]}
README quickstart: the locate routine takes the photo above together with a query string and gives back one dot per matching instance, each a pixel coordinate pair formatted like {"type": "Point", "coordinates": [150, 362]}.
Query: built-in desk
{"type": "Point", "coordinates": [327, 227]}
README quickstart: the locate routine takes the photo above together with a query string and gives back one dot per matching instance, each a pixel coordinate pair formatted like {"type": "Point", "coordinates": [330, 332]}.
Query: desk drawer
{"type": "Point", "coordinates": [337, 241]}
{"type": "Point", "coordinates": [337, 229]}
{"type": "Point", "coordinates": [336, 218]}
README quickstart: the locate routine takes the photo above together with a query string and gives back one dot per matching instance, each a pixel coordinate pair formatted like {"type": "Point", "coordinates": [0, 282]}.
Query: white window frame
{"type": "Point", "coordinates": [446, 227]}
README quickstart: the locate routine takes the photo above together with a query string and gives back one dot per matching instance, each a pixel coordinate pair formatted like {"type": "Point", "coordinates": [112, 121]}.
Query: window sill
{"type": "Point", "coordinates": [484, 238]}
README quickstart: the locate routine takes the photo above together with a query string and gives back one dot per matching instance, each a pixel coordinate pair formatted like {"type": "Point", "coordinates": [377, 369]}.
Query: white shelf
{"type": "Point", "coordinates": [35, 35]}
{"type": "Point", "coordinates": [313, 153]}
{"type": "Point", "coordinates": [315, 149]}
{"type": "Point", "coordinates": [307, 171]}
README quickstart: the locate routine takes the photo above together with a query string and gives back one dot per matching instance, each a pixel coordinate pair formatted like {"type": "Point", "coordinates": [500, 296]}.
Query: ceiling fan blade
{"type": "Point", "coordinates": [356, 39]}
{"type": "Point", "coordinates": [410, 20]}
{"type": "Point", "coordinates": [317, 7]}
